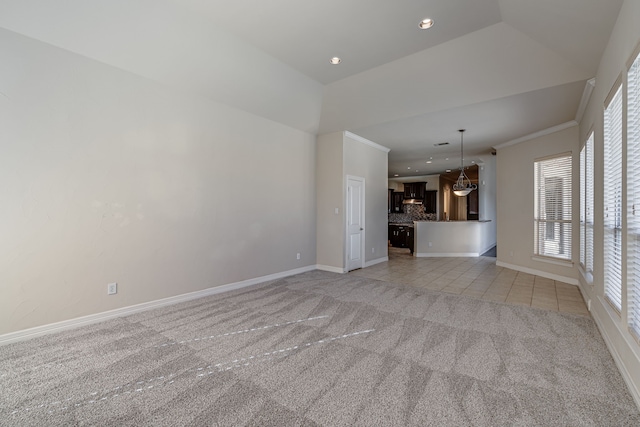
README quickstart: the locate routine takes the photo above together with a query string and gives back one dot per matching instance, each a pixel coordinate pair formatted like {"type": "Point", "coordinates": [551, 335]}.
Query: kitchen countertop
{"type": "Point", "coordinates": [460, 220]}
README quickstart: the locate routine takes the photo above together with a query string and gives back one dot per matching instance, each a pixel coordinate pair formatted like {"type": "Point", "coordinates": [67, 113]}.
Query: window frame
{"type": "Point", "coordinates": [586, 207]}
{"type": "Point", "coordinates": [613, 198]}
{"type": "Point", "coordinates": [632, 140]}
{"type": "Point", "coordinates": [561, 208]}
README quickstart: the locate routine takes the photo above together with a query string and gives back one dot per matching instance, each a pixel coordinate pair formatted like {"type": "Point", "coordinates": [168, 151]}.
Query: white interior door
{"type": "Point", "coordinates": [355, 223]}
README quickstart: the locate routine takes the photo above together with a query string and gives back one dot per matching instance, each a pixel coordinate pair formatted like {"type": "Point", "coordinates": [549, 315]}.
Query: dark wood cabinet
{"type": "Point", "coordinates": [401, 236]}
{"type": "Point", "coordinates": [414, 190]}
{"type": "Point", "coordinates": [396, 202]}
{"type": "Point", "coordinates": [430, 202]}
{"type": "Point", "coordinates": [410, 239]}
{"type": "Point", "coordinates": [472, 206]}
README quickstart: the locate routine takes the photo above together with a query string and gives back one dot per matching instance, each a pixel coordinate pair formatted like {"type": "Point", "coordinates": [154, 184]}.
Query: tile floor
{"type": "Point", "coordinates": [478, 278]}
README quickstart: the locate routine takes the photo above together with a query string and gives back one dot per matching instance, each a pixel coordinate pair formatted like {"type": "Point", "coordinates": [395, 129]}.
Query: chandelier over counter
{"type": "Point", "coordinates": [463, 185]}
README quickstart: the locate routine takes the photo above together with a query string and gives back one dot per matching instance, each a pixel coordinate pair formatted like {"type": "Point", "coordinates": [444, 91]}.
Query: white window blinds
{"type": "Point", "coordinates": [633, 194]}
{"type": "Point", "coordinates": [552, 207]}
{"type": "Point", "coordinates": [586, 205]}
{"type": "Point", "coordinates": [613, 200]}
{"type": "Point", "coordinates": [589, 203]}
{"type": "Point", "coordinates": [583, 208]}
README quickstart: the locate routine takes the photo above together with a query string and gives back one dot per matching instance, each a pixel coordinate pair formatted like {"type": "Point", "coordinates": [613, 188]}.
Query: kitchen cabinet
{"type": "Point", "coordinates": [430, 202]}
{"type": "Point", "coordinates": [414, 190]}
{"type": "Point", "coordinates": [401, 236]}
{"type": "Point", "coordinates": [396, 202]}
{"type": "Point", "coordinates": [472, 205]}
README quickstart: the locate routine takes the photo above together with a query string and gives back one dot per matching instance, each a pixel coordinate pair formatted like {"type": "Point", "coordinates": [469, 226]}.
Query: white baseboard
{"type": "Point", "coordinates": [447, 255]}
{"type": "Point", "coordinates": [376, 261]}
{"type": "Point", "coordinates": [330, 269]}
{"type": "Point", "coordinates": [564, 279]}
{"type": "Point", "coordinates": [622, 367]}
{"type": "Point", "coordinates": [125, 311]}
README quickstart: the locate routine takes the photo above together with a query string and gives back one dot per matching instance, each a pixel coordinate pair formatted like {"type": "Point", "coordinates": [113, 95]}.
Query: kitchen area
{"type": "Point", "coordinates": [429, 220]}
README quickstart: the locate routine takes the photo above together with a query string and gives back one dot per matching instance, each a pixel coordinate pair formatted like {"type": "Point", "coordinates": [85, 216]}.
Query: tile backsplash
{"type": "Point", "coordinates": [412, 213]}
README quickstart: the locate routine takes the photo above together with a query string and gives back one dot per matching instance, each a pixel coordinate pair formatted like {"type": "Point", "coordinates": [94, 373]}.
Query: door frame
{"type": "Point", "coordinates": [346, 221]}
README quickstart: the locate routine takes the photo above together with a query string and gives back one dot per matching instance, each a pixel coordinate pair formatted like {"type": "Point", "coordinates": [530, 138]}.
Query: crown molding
{"type": "Point", "coordinates": [366, 141]}
{"type": "Point", "coordinates": [586, 95]}
{"type": "Point", "coordinates": [538, 134]}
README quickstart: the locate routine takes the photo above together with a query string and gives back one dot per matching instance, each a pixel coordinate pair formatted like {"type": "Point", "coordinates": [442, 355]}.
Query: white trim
{"type": "Point", "coordinates": [586, 276]}
{"type": "Point", "coordinates": [586, 95]}
{"type": "Point", "coordinates": [548, 260]}
{"type": "Point", "coordinates": [125, 311]}
{"type": "Point", "coordinates": [366, 141]}
{"type": "Point", "coordinates": [613, 348]}
{"type": "Point", "coordinates": [447, 255]}
{"type": "Point", "coordinates": [330, 269]}
{"type": "Point", "coordinates": [538, 134]}
{"type": "Point", "coordinates": [564, 279]}
{"type": "Point", "coordinates": [363, 214]}
{"type": "Point", "coordinates": [376, 261]}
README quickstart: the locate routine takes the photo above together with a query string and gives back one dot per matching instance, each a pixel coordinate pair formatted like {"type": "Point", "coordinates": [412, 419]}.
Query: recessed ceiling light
{"type": "Point", "coordinates": [396, 175]}
{"type": "Point", "coordinates": [428, 161]}
{"type": "Point", "coordinates": [425, 23]}
{"type": "Point", "coordinates": [409, 168]}
{"type": "Point", "coordinates": [447, 158]}
{"type": "Point", "coordinates": [448, 170]}
{"type": "Point", "coordinates": [473, 161]}
{"type": "Point", "coordinates": [335, 60]}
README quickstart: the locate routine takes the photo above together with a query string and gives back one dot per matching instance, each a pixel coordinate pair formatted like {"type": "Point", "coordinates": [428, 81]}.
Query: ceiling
{"type": "Point", "coordinates": [502, 69]}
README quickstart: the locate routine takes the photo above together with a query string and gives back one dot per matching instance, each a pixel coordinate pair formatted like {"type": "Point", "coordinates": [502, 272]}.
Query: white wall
{"type": "Point", "coordinates": [622, 44]}
{"type": "Point", "coordinates": [109, 177]}
{"type": "Point", "coordinates": [487, 188]}
{"type": "Point", "coordinates": [371, 164]}
{"type": "Point", "coordinates": [205, 59]}
{"type": "Point", "coordinates": [515, 194]}
{"type": "Point", "coordinates": [453, 238]}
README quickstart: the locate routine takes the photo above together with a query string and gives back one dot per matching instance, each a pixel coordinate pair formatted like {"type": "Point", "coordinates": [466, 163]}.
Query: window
{"type": "Point", "coordinates": [552, 207]}
{"type": "Point", "coordinates": [586, 205]}
{"type": "Point", "coordinates": [633, 215]}
{"type": "Point", "coordinates": [613, 200]}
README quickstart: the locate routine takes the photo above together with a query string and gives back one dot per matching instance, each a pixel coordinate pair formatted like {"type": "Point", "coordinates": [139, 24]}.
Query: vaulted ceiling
{"type": "Point", "coordinates": [501, 69]}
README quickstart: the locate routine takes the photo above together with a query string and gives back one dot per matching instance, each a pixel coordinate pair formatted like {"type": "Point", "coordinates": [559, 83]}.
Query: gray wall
{"type": "Point", "coordinates": [624, 40]}
{"type": "Point", "coordinates": [515, 194]}
{"type": "Point", "coordinates": [339, 155]}
{"type": "Point", "coordinates": [109, 177]}
{"type": "Point", "coordinates": [330, 191]}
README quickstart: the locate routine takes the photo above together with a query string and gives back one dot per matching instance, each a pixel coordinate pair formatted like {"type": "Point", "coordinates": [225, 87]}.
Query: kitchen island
{"type": "Point", "coordinates": [453, 238]}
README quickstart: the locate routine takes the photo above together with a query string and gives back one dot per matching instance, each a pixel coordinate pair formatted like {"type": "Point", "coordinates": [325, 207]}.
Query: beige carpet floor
{"type": "Point", "coordinates": [320, 349]}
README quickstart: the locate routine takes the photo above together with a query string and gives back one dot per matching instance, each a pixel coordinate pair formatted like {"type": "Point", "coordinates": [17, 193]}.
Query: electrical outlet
{"type": "Point", "coordinates": [298, 255]}
{"type": "Point", "coordinates": [112, 288]}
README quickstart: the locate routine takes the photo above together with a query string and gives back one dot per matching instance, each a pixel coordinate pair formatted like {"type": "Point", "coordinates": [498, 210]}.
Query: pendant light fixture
{"type": "Point", "coordinates": [463, 185]}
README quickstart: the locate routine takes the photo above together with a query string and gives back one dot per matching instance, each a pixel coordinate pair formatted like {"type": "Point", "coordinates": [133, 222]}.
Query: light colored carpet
{"type": "Point", "coordinates": [320, 349]}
